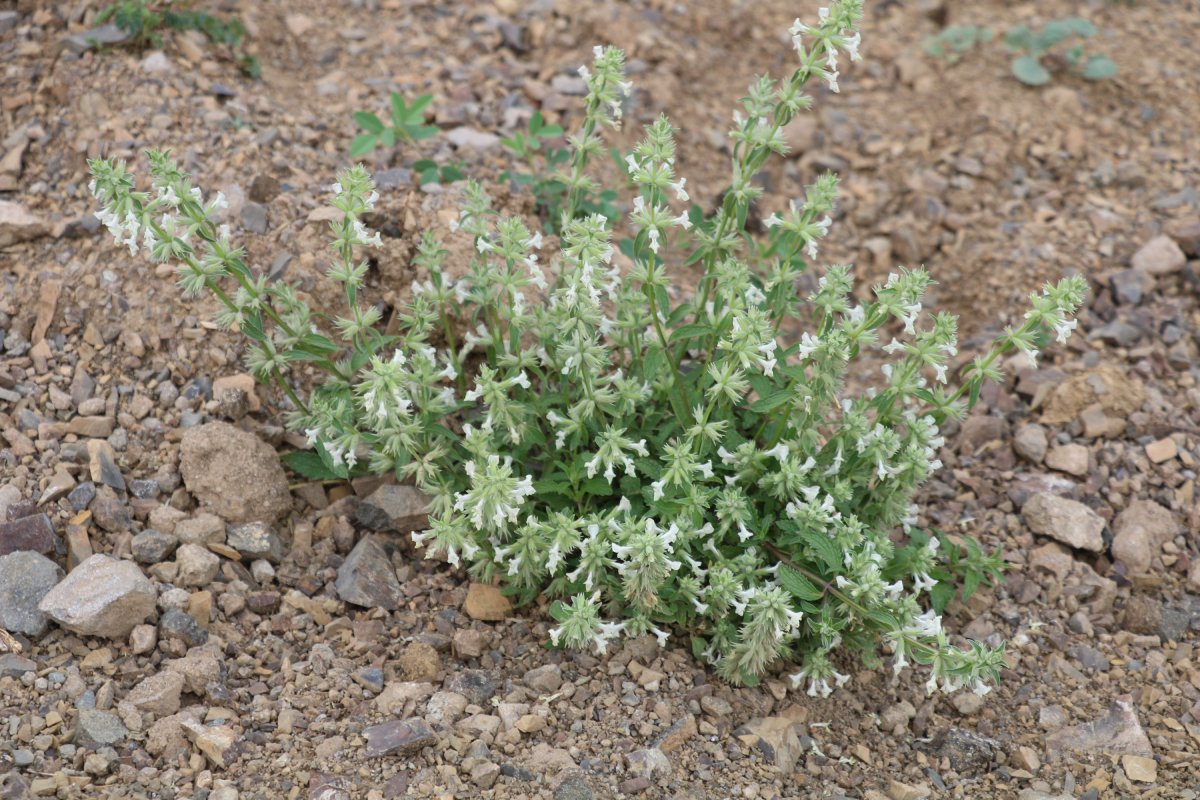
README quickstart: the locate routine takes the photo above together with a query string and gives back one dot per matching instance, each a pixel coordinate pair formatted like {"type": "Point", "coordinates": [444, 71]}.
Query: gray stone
{"type": "Point", "coordinates": [202, 529]}
{"type": "Point", "coordinates": [254, 217]}
{"type": "Point", "coordinates": [399, 737]}
{"type": "Point", "coordinates": [25, 578]}
{"type": "Point", "coordinates": [82, 496]}
{"type": "Point", "coordinates": [1118, 733]}
{"type": "Point", "coordinates": [574, 787]}
{"type": "Point", "coordinates": [110, 512]}
{"type": "Point", "coordinates": [1068, 521]}
{"type": "Point", "coordinates": [967, 751]}
{"type": "Point", "coordinates": [1129, 286]}
{"type": "Point", "coordinates": [8, 21]}
{"type": "Point", "coordinates": [32, 533]}
{"type": "Point", "coordinates": [14, 666]}
{"type": "Point", "coordinates": [151, 546]}
{"type": "Point", "coordinates": [1175, 623]}
{"type": "Point", "coordinates": [471, 139]}
{"type": "Point", "coordinates": [176, 624]}
{"type": "Point", "coordinates": [546, 678]}
{"type": "Point", "coordinates": [775, 739]}
{"type": "Point", "coordinates": [234, 473]}
{"type": "Point", "coordinates": [101, 597]}
{"type": "Point", "coordinates": [396, 507]}
{"type": "Point", "coordinates": [255, 540]}
{"type": "Point", "coordinates": [103, 36]}
{"type": "Point", "coordinates": [366, 577]}
{"type": "Point", "coordinates": [99, 728]}
{"type": "Point", "coordinates": [649, 763]}
{"type": "Point", "coordinates": [17, 224]}
{"type": "Point", "coordinates": [474, 684]}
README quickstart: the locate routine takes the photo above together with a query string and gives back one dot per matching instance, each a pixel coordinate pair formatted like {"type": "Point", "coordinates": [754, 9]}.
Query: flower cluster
{"type": "Point", "coordinates": [652, 464]}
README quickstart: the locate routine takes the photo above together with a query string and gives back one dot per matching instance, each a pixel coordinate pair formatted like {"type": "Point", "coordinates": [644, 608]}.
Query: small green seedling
{"type": "Point", "coordinates": [956, 40]}
{"type": "Point", "coordinates": [1035, 60]}
{"type": "Point", "coordinates": [408, 125]}
{"type": "Point", "coordinates": [429, 171]}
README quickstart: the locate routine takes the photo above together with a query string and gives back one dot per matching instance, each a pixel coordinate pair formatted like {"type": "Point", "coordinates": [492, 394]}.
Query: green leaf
{"type": "Point", "coordinates": [1018, 38]}
{"type": "Point", "coordinates": [368, 122]}
{"type": "Point", "coordinates": [362, 145]}
{"type": "Point", "coordinates": [825, 549]}
{"type": "Point", "coordinates": [798, 585]}
{"type": "Point", "coordinates": [419, 105]}
{"type": "Point", "coordinates": [685, 332]}
{"type": "Point", "coordinates": [598, 487]}
{"type": "Point", "coordinates": [1099, 68]}
{"type": "Point", "coordinates": [308, 464]}
{"type": "Point", "coordinates": [940, 596]}
{"type": "Point", "coordinates": [388, 137]}
{"type": "Point", "coordinates": [1029, 71]}
{"type": "Point", "coordinates": [771, 401]}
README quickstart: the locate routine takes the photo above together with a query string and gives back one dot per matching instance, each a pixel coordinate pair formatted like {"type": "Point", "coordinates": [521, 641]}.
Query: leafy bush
{"type": "Point", "coordinates": [408, 125]}
{"type": "Point", "coordinates": [144, 19]}
{"type": "Point", "coordinates": [1034, 48]}
{"type": "Point", "coordinates": [653, 465]}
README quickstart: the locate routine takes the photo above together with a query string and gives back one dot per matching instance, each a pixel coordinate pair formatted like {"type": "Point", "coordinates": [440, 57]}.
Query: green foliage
{"type": "Point", "coordinates": [429, 171]}
{"type": "Point", "coordinates": [648, 460]}
{"type": "Point", "coordinates": [1035, 48]}
{"type": "Point", "coordinates": [408, 125]}
{"type": "Point", "coordinates": [545, 163]}
{"type": "Point", "coordinates": [954, 41]}
{"type": "Point", "coordinates": [145, 19]}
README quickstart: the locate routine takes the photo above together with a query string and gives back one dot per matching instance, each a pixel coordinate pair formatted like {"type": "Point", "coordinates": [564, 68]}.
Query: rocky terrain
{"type": "Point", "coordinates": [186, 619]}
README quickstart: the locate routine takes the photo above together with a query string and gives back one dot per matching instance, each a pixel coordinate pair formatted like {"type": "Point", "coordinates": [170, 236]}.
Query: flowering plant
{"type": "Point", "coordinates": [655, 466]}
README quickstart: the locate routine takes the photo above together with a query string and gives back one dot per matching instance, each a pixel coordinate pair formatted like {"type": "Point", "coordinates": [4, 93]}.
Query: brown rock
{"type": "Point", "coordinates": [775, 739]}
{"type": "Point", "coordinates": [1162, 450]}
{"type": "Point", "coordinates": [1106, 385]}
{"type": "Point", "coordinates": [17, 224]}
{"type": "Point", "coordinates": [1068, 521]}
{"type": "Point", "coordinates": [242, 382]}
{"type": "Point", "coordinates": [234, 473]}
{"type": "Point", "coordinates": [419, 662]}
{"type": "Point", "coordinates": [399, 737]}
{"type": "Point", "coordinates": [485, 602]}
{"type": "Point", "coordinates": [1159, 256]}
{"type": "Point", "coordinates": [1069, 458]}
{"type": "Point", "coordinates": [1139, 532]}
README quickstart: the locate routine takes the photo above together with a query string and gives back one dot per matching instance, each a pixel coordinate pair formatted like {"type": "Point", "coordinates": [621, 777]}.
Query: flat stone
{"type": "Point", "coordinates": [465, 138]}
{"type": "Point", "coordinates": [14, 666]}
{"type": "Point", "coordinates": [158, 694]}
{"type": "Point", "coordinates": [25, 578]}
{"type": "Point", "coordinates": [1069, 458]}
{"type": "Point", "coordinates": [254, 217]}
{"type": "Point", "coordinates": [1030, 443]}
{"type": "Point", "coordinates": [1159, 256]}
{"type": "Point", "coordinates": [486, 602]}
{"type": "Point", "coordinates": [776, 740]}
{"type": "Point", "coordinates": [255, 540]}
{"type": "Point", "coordinates": [399, 737]}
{"type": "Point", "coordinates": [151, 546]}
{"type": "Point", "coordinates": [102, 36]}
{"type": "Point", "coordinates": [395, 507]}
{"type": "Point", "coordinates": [202, 529]}
{"type": "Point", "coordinates": [99, 728]}
{"type": "Point", "coordinates": [102, 464]}
{"type": "Point", "coordinates": [1162, 450]}
{"type": "Point", "coordinates": [234, 473]}
{"type": "Point", "coordinates": [904, 791]}
{"type": "Point", "coordinates": [82, 496]}
{"type": "Point", "coordinates": [1068, 521]}
{"type": "Point", "coordinates": [94, 427]}
{"type": "Point", "coordinates": [18, 224]}
{"type": "Point", "coordinates": [101, 597]}
{"type": "Point", "coordinates": [366, 578]}
{"type": "Point", "coordinates": [476, 685]}
{"type": "Point", "coordinates": [1140, 768]}
{"type": "Point", "coordinates": [33, 533]}
{"type": "Point", "coordinates": [1118, 732]}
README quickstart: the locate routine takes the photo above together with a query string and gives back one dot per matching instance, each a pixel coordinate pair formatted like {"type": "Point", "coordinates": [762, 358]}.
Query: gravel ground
{"type": "Point", "coordinates": [187, 621]}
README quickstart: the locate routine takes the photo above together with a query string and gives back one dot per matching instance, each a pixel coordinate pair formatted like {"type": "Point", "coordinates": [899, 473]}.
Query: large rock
{"type": "Point", "coordinates": [1068, 521]}
{"type": "Point", "coordinates": [1118, 733]}
{"type": "Point", "coordinates": [233, 473]}
{"type": "Point", "coordinates": [1159, 256]}
{"type": "Point", "coordinates": [158, 694]}
{"type": "Point", "coordinates": [18, 225]}
{"type": "Point", "coordinates": [255, 540]}
{"type": "Point", "coordinates": [101, 597]}
{"type": "Point", "coordinates": [366, 577]}
{"type": "Point", "coordinates": [25, 578]}
{"type": "Point", "coordinates": [34, 532]}
{"type": "Point", "coordinates": [1139, 532]}
{"type": "Point", "coordinates": [775, 738]}
{"type": "Point", "coordinates": [396, 507]}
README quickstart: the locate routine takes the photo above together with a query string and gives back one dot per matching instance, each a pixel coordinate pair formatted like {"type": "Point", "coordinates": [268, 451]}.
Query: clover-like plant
{"type": "Point", "coordinates": [953, 41]}
{"type": "Point", "coordinates": [652, 463]}
{"type": "Point", "coordinates": [1037, 57]}
{"type": "Point", "coordinates": [145, 19]}
{"type": "Point", "coordinates": [408, 125]}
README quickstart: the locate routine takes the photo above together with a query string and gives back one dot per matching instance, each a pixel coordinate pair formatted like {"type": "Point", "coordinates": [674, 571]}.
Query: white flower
{"type": "Point", "coordinates": [680, 193]}
{"type": "Point", "coordinates": [772, 221]}
{"type": "Point", "coordinates": [851, 44]}
{"type": "Point", "coordinates": [922, 582]}
{"type": "Point", "coordinates": [1064, 328]}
